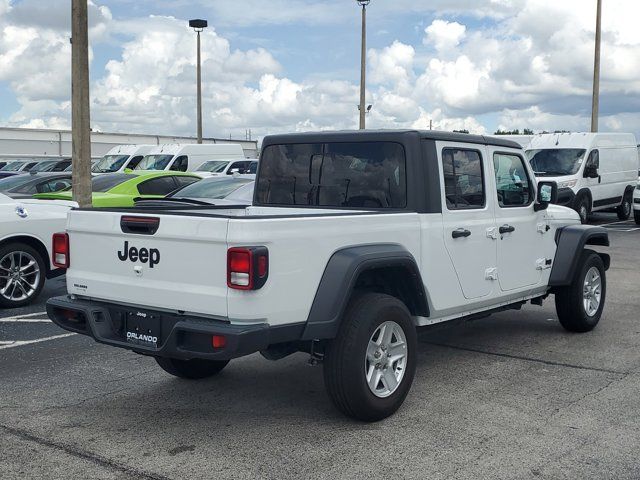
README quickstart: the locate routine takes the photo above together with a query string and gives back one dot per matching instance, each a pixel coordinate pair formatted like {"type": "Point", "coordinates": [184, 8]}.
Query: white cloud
{"type": "Point", "coordinates": [528, 64]}
{"type": "Point", "coordinates": [444, 35]}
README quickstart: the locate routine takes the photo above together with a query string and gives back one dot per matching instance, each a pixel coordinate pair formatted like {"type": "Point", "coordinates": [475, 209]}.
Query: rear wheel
{"type": "Point", "coordinates": [370, 365]}
{"type": "Point", "coordinates": [625, 208]}
{"type": "Point", "coordinates": [192, 369]}
{"type": "Point", "coordinates": [22, 275]}
{"type": "Point", "coordinates": [579, 305]}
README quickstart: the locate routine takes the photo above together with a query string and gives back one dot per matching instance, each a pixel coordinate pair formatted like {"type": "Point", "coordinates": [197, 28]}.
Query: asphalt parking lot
{"type": "Point", "coordinates": [511, 396]}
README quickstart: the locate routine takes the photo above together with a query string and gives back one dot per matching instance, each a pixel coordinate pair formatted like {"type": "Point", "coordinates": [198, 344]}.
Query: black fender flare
{"type": "Point", "coordinates": [339, 279]}
{"type": "Point", "coordinates": [571, 241]}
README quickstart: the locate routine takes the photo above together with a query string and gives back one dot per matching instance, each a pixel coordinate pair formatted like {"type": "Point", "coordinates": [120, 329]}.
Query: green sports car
{"type": "Point", "coordinates": [120, 189]}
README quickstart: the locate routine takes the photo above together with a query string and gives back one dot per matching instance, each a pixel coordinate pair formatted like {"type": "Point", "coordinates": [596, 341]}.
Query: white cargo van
{"type": "Point", "coordinates": [594, 171]}
{"type": "Point", "coordinates": [120, 158]}
{"type": "Point", "coordinates": [188, 157]}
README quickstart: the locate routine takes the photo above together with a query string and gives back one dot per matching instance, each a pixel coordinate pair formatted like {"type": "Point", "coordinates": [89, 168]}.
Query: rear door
{"type": "Point", "coordinates": [468, 217]}
{"type": "Point", "coordinates": [520, 228]}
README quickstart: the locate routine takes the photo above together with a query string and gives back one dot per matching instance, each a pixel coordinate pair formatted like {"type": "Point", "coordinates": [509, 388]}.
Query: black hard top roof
{"type": "Point", "coordinates": [388, 135]}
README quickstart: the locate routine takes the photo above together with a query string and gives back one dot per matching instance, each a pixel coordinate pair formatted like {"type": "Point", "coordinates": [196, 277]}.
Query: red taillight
{"type": "Point", "coordinates": [247, 267]}
{"type": "Point", "coordinates": [60, 254]}
{"type": "Point", "coordinates": [218, 341]}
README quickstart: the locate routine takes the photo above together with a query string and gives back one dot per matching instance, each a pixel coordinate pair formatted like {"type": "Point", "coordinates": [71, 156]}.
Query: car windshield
{"type": "Point", "coordinates": [154, 162]}
{"type": "Point", "coordinates": [109, 163]}
{"type": "Point", "coordinates": [12, 167]}
{"type": "Point", "coordinates": [43, 166]}
{"type": "Point", "coordinates": [15, 181]}
{"type": "Point", "coordinates": [213, 166]}
{"type": "Point", "coordinates": [211, 188]}
{"type": "Point", "coordinates": [243, 194]}
{"type": "Point", "coordinates": [551, 162]}
{"type": "Point", "coordinates": [103, 183]}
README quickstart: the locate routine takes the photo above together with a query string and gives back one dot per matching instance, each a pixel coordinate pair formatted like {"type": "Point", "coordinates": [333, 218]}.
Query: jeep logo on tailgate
{"type": "Point", "coordinates": [142, 255]}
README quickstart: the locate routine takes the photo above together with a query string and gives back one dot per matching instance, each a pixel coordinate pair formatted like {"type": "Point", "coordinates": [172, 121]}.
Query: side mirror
{"type": "Point", "coordinates": [547, 193]}
{"type": "Point", "coordinates": [591, 171]}
{"type": "Point", "coordinates": [233, 170]}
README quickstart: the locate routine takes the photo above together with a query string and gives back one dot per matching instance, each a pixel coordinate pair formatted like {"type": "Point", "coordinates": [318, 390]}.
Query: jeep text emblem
{"type": "Point", "coordinates": [142, 255]}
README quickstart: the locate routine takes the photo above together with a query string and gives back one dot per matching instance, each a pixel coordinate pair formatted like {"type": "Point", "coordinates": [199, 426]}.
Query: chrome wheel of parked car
{"type": "Point", "coordinates": [592, 291]}
{"type": "Point", "coordinates": [20, 276]}
{"type": "Point", "coordinates": [386, 359]}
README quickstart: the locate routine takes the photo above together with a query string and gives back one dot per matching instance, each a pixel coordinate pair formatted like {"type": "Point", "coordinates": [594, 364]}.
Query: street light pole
{"type": "Point", "coordinates": [198, 25]}
{"type": "Point", "coordinates": [595, 102]}
{"type": "Point", "coordinates": [80, 112]}
{"type": "Point", "coordinates": [363, 62]}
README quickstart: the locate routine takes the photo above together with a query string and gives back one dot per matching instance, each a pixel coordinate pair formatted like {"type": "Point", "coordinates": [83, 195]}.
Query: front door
{"type": "Point", "coordinates": [520, 228]}
{"type": "Point", "coordinates": [468, 217]}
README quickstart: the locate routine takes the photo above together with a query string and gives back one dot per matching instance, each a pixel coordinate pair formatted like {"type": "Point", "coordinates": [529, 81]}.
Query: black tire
{"type": "Point", "coordinates": [583, 207]}
{"type": "Point", "coordinates": [570, 300]}
{"type": "Point", "coordinates": [345, 357]}
{"type": "Point", "coordinates": [11, 298]}
{"type": "Point", "coordinates": [193, 369]}
{"type": "Point", "coordinates": [636, 216]}
{"type": "Point", "coordinates": [626, 207]}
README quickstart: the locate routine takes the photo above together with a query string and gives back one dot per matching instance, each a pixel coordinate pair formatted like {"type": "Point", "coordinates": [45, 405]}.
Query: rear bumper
{"type": "Point", "coordinates": [179, 336]}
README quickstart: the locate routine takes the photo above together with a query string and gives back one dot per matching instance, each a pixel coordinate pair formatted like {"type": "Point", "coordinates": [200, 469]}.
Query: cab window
{"type": "Point", "coordinates": [514, 188]}
{"type": "Point", "coordinates": [180, 164]}
{"type": "Point", "coordinates": [463, 179]}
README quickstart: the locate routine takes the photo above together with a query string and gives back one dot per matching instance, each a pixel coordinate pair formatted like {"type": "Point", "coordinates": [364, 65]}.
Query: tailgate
{"type": "Point", "coordinates": [178, 264]}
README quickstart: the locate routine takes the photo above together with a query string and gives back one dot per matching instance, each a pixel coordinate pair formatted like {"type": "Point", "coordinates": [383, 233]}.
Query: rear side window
{"type": "Point", "coordinates": [356, 175]}
{"type": "Point", "coordinates": [463, 179]}
{"type": "Point", "coordinates": [157, 186]}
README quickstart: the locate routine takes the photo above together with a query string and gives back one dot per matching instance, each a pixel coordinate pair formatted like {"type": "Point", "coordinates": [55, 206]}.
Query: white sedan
{"type": "Point", "coordinates": [26, 230]}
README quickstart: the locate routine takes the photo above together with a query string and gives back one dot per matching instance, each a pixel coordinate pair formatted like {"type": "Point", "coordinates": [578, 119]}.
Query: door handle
{"type": "Point", "coordinates": [460, 232]}
{"type": "Point", "coordinates": [507, 229]}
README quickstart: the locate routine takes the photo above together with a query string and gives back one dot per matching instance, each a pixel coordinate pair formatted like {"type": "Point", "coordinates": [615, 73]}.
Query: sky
{"type": "Point", "coordinates": [276, 66]}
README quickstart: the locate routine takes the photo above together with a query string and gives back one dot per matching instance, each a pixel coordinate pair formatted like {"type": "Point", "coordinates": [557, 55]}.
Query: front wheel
{"type": "Point", "coordinates": [370, 365]}
{"type": "Point", "coordinates": [193, 369]}
{"type": "Point", "coordinates": [579, 305]}
{"type": "Point", "coordinates": [22, 275]}
{"type": "Point", "coordinates": [583, 207]}
{"type": "Point", "coordinates": [625, 208]}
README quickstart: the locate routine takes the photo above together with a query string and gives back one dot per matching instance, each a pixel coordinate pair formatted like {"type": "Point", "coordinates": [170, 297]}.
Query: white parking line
{"type": "Point", "coordinates": [24, 320]}
{"type": "Point", "coordinates": [19, 343]}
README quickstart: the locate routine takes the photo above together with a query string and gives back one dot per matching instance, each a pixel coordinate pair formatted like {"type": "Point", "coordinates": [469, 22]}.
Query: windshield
{"type": "Point", "coordinates": [551, 162]}
{"type": "Point", "coordinates": [12, 167]}
{"type": "Point", "coordinates": [154, 162]}
{"type": "Point", "coordinates": [15, 181]}
{"type": "Point", "coordinates": [211, 188]}
{"type": "Point", "coordinates": [109, 163]}
{"type": "Point", "coordinates": [243, 194]}
{"type": "Point", "coordinates": [43, 166]}
{"type": "Point", "coordinates": [213, 166]}
{"type": "Point", "coordinates": [103, 183]}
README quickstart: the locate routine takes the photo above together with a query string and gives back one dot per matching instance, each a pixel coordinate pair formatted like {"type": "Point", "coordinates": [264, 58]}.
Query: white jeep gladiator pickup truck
{"type": "Point", "coordinates": [353, 240]}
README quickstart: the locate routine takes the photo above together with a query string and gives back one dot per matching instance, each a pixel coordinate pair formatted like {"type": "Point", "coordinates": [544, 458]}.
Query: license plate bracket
{"type": "Point", "coordinates": [143, 328]}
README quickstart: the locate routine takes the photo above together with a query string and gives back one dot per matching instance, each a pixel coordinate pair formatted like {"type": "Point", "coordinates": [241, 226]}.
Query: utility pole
{"type": "Point", "coordinates": [80, 114]}
{"type": "Point", "coordinates": [363, 62]}
{"type": "Point", "coordinates": [198, 25]}
{"type": "Point", "coordinates": [595, 103]}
